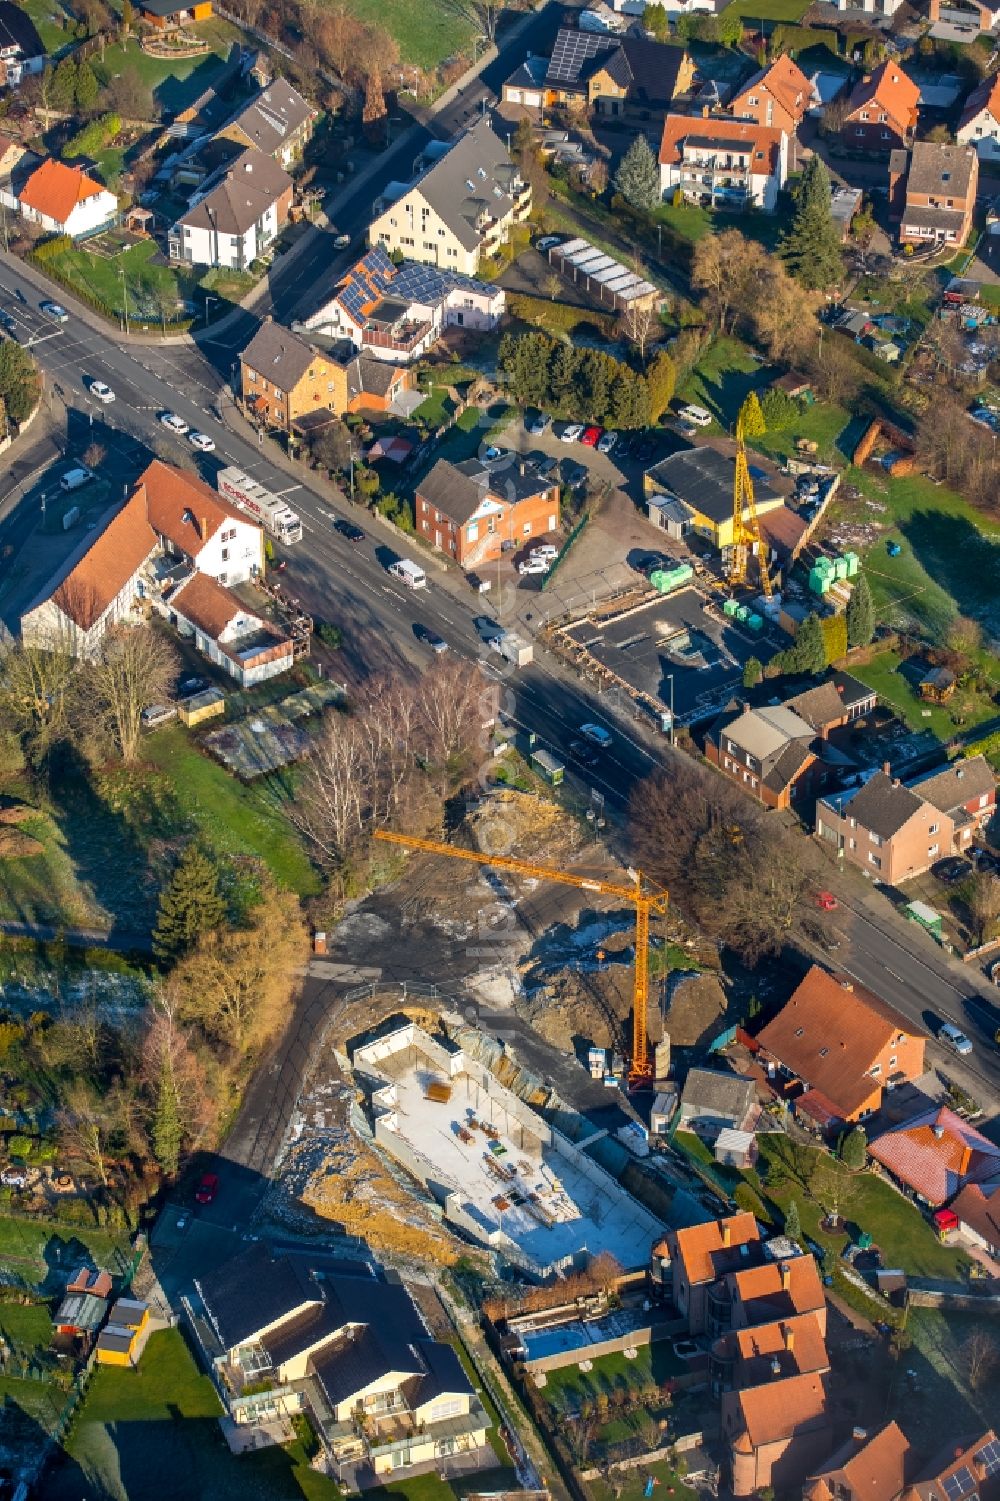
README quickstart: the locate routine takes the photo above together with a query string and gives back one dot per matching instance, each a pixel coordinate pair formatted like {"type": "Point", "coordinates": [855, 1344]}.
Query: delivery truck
{"type": "Point", "coordinates": [513, 648]}
{"type": "Point", "coordinates": [274, 514]}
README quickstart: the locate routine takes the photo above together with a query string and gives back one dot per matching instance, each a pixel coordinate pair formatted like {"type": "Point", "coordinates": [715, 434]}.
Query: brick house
{"type": "Point", "coordinates": [774, 1290]}
{"type": "Point", "coordinates": [933, 190]}
{"type": "Point", "coordinates": [475, 513]}
{"type": "Point", "coordinates": [689, 1261]}
{"type": "Point", "coordinates": [881, 112]}
{"type": "Point", "coordinates": [776, 1433]}
{"type": "Point", "coordinates": [840, 1046]}
{"type": "Point", "coordinates": [768, 752]}
{"type": "Point", "coordinates": [884, 828]}
{"type": "Point", "coordinates": [837, 701]}
{"type": "Point", "coordinates": [793, 1346]}
{"type": "Point", "coordinates": [966, 791]}
{"type": "Point", "coordinates": [290, 384]}
{"type": "Point", "coordinates": [777, 96]}
{"type": "Point", "coordinates": [877, 1467]}
{"type": "Point", "coordinates": [609, 74]}
{"type": "Point", "coordinates": [935, 1155]}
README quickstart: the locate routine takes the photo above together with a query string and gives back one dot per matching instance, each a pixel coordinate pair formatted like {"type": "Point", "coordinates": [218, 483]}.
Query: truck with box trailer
{"type": "Point", "coordinates": [513, 648]}
{"type": "Point", "coordinates": [274, 514]}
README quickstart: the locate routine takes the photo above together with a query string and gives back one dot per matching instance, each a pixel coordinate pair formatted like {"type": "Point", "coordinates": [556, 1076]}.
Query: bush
{"type": "Point", "coordinates": [750, 1202]}
{"type": "Point", "coordinates": [559, 317]}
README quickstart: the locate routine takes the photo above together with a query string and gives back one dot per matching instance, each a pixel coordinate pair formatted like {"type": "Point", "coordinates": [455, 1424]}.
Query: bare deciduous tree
{"type": "Point", "coordinates": [35, 685]}
{"type": "Point", "coordinates": [980, 1356]}
{"type": "Point", "coordinates": [984, 906]}
{"type": "Point", "coordinates": [133, 669]}
{"type": "Point", "coordinates": [637, 322]}
{"type": "Point", "coordinates": [455, 701]}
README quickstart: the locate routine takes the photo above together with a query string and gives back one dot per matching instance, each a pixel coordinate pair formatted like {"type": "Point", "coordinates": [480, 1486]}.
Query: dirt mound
{"type": "Point", "coordinates": [527, 826]}
{"type": "Point", "coordinates": [696, 1009]}
{"type": "Point", "coordinates": [17, 813]}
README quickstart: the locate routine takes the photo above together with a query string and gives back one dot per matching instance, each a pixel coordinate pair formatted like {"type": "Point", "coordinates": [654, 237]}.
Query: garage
{"type": "Point", "coordinates": [525, 86]}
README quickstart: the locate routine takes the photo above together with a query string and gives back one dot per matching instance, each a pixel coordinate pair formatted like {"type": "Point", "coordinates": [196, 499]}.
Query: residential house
{"type": "Point", "coordinates": [762, 1294]}
{"type": "Point", "coordinates": [966, 791]}
{"type": "Point", "coordinates": [167, 15]}
{"type": "Point", "coordinates": [526, 85]}
{"type": "Point", "coordinates": [22, 50]}
{"type": "Point", "coordinates": [975, 16]}
{"type": "Point", "coordinates": [979, 126]}
{"type": "Point", "coordinates": [225, 630]}
{"type": "Point", "coordinates": [171, 518]}
{"type": "Point", "coordinates": [881, 112]}
{"type": "Point", "coordinates": [723, 163]}
{"type": "Point", "coordinates": [333, 1339]}
{"type": "Point", "coordinates": [977, 1209]}
{"type": "Point", "coordinates": [688, 1262]}
{"type": "Point", "coordinates": [868, 1467]}
{"type": "Point", "coordinates": [283, 378]}
{"type": "Point", "coordinates": [122, 1337]}
{"type": "Point", "coordinates": [794, 1346]}
{"type": "Point", "coordinates": [884, 828]}
{"type": "Point", "coordinates": [777, 96]}
{"type": "Point", "coordinates": [65, 201]}
{"type": "Point", "coordinates": [777, 1432]}
{"type": "Point", "coordinates": [461, 207]}
{"type": "Point", "coordinates": [839, 700]}
{"type": "Point", "coordinates": [841, 1045]}
{"type": "Point", "coordinates": [613, 75]}
{"type": "Point", "coordinates": [933, 189]}
{"type": "Point", "coordinates": [874, 7]}
{"type": "Point", "coordinates": [235, 216]}
{"type": "Point", "coordinates": [936, 1154]}
{"type": "Point", "coordinates": [712, 1100]}
{"type": "Point", "coordinates": [702, 479]}
{"type": "Point", "coordinates": [397, 313]}
{"type": "Point", "coordinates": [963, 1468]}
{"type": "Point", "coordinates": [277, 121]}
{"type": "Point", "coordinates": [768, 751]}
{"type": "Point", "coordinates": [475, 513]}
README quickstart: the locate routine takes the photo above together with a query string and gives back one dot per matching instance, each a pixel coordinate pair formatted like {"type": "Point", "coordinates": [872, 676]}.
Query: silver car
{"type": "Point", "coordinates": [954, 1038]}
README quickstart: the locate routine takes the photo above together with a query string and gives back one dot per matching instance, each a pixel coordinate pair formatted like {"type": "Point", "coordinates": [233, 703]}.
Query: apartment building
{"type": "Point", "coordinates": [234, 218]}
{"type": "Point", "coordinates": [884, 828]}
{"type": "Point", "coordinates": [723, 163]}
{"type": "Point", "coordinates": [933, 189]}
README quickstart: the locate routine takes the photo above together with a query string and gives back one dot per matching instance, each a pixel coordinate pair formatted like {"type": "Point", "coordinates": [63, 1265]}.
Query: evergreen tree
{"type": "Point", "coordinates": [811, 246]}
{"type": "Point", "coordinates": [62, 90]}
{"type": "Point", "coordinates": [190, 905]}
{"type": "Point", "coordinates": [752, 417]}
{"type": "Point", "coordinates": [793, 1224]}
{"type": "Point", "coordinates": [860, 613]}
{"type": "Point", "coordinates": [753, 672]}
{"type": "Point", "coordinates": [562, 374]}
{"type": "Point", "coordinates": [808, 651]}
{"type": "Point", "coordinates": [661, 381]}
{"type": "Point", "coordinates": [128, 16]}
{"type": "Point", "coordinates": [168, 1132]}
{"type": "Point", "coordinates": [638, 176]}
{"type": "Point", "coordinates": [87, 87]}
{"type": "Point", "coordinates": [854, 1149]}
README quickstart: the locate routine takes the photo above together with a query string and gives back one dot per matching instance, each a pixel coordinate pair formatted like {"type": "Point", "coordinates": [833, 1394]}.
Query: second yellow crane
{"type": "Point", "coordinates": [645, 902]}
{"type": "Point", "coordinates": [746, 528]}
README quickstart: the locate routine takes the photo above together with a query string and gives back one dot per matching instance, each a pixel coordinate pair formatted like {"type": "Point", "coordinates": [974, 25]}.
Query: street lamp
{"type": "Point", "coordinates": [670, 680]}
{"type": "Point", "coordinates": [208, 303]}
{"type": "Point", "coordinates": [121, 273]}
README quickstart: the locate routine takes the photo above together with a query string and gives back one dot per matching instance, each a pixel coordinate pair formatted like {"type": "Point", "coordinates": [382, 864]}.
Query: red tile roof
{"type": "Point", "coordinates": [830, 1033]}
{"type": "Point", "coordinates": [708, 1250]}
{"type": "Point", "coordinates": [785, 81]}
{"type": "Point", "coordinates": [778, 1289]}
{"type": "Point", "coordinates": [54, 189]}
{"type": "Point", "coordinates": [207, 604]}
{"type": "Point", "coordinates": [978, 1206]}
{"type": "Point", "coordinates": [796, 1344]}
{"type": "Point", "coordinates": [182, 508]}
{"type": "Point", "coordinates": [955, 1458]}
{"type": "Point", "coordinates": [763, 142]}
{"type": "Point", "coordinates": [782, 1409]}
{"type": "Point", "coordinates": [935, 1154]}
{"type": "Point", "coordinates": [114, 556]}
{"type": "Point", "coordinates": [889, 89]}
{"type": "Point", "coordinates": [985, 96]}
{"type": "Point", "coordinates": [877, 1469]}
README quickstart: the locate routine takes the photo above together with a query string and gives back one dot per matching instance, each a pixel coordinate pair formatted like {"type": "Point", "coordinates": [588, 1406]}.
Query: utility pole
{"type": "Point", "coordinates": [121, 273]}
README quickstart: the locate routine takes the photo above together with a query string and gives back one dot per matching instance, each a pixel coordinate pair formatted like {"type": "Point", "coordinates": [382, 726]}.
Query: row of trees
{"type": "Point", "coordinates": [746, 291]}
{"type": "Point", "coordinates": [585, 385]}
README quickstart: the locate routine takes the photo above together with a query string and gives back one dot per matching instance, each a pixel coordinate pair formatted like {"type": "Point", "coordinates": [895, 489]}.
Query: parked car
{"type": "Point", "coordinates": [597, 735]}
{"type": "Point", "coordinates": [985, 860]}
{"type": "Point", "coordinates": [571, 432]}
{"type": "Point", "coordinates": [102, 392]}
{"type": "Point", "coordinates": [951, 870]}
{"type": "Point", "coordinates": [208, 1187]}
{"type": "Point", "coordinates": [644, 450]}
{"type": "Point", "coordinates": [174, 423]}
{"type": "Point", "coordinates": [546, 465]}
{"type": "Point", "coordinates": [826, 901]}
{"type": "Point", "coordinates": [697, 415]}
{"type": "Point", "coordinates": [202, 442]}
{"type": "Point", "coordinates": [547, 242]}
{"type": "Point", "coordinates": [544, 550]}
{"type": "Point", "coordinates": [955, 1039]}
{"type": "Point", "coordinates": [156, 714]}
{"type": "Point", "coordinates": [607, 443]}
{"type": "Point", "coordinates": [479, 584]}
{"type": "Point", "coordinates": [537, 425]}
{"type": "Point", "coordinates": [349, 530]}
{"type": "Point", "coordinates": [341, 242]}
{"type": "Point", "coordinates": [533, 565]}
{"type": "Point", "coordinates": [590, 437]}
{"type": "Point", "coordinates": [74, 478]}
{"type": "Point", "coordinates": [55, 311]}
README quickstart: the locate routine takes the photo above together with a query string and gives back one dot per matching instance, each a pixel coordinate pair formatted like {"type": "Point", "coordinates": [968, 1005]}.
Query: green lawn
{"type": "Point", "coordinates": [175, 82]}
{"type": "Point", "coordinates": [33, 1248]}
{"type": "Point", "coordinates": [47, 16]}
{"type": "Point", "coordinates": [144, 283]}
{"type": "Point", "coordinates": [689, 220]}
{"type": "Point", "coordinates": [633, 1485]}
{"type": "Point", "coordinates": [821, 423]}
{"type": "Point", "coordinates": [427, 31]}
{"type": "Point", "coordinates": [568, 1387]}
{"type": "Point", "coordinates": [234, 818]}
{"type": "Point", "coordinates": [417, 1488]}
{"type": "Point", "coordinates": [436, 409]}
{"type": "Point", "coordinates": [722, 380]}
{"type": "Point", "coordinates": [27, 1326]}
{"type": "Point", "coordinates": [895, 682]}
{"type": "Point", "coordinates": [754, 11]}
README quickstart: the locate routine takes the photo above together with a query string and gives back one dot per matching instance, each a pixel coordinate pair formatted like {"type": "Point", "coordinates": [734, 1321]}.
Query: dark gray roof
{"type": "Point", "coordinates": [712, 1089]}
{"type": "Point", "coordinates": [917, 216]}
{"type": "Point", "coordinates": [360, 1358]}
{"type": "Point", "coordinates": [703, 478]}
{"type": "Point", "coordinates": [531, 74]}
{"type": "Point", "coordinates": [253, 1289]}
{"type": "Point", "coordinates": [787, 765]}
{"type": "Point", "coordinates": [647, 70]}
{"type": "Point", "coordinates": [943, 170]}
{"type": "Point", "coordinates": [246, 190]}
{"type": "Point", "coordinates": [279, 355]}
{"type": "Point", "coordinates": [456, 490]}
{"type": "Point", "coordinates": [443, 1372]}
{"type": "Point", "coordinates": [370, 377]}
{"type": "Point", "coordinates": [956, 784]}
{"type": "Point", "coordinates": [824, 703]}
{"type": "Point", "coordinates": [882, 805]}
{"type": "Point", "coordinates": [17, 29]}
{"type": "Point", "coordinates": [476, 176]}
{"type": "Point", "coordinates": [275, 114]}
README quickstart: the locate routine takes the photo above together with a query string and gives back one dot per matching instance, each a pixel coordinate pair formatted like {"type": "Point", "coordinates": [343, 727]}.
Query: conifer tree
{"type": "Point", "coordinates": [811, 246]}
{"type": "Point", "coordinates": [190, 905]}
{"type": "Point", "coordinates": [793, 1224]}
{"type": "Point", "coordinates": [754, 425]}
{"type": "Point", "coordinates": [860, 613]}
{"type": "Point", "coordinates": [638, 176]}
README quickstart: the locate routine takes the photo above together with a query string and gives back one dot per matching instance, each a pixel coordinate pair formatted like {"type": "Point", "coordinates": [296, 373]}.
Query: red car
{"type": "Point", "coordinates": [826, 901]}
{"type": "Point", "coordinates": [207, 1189]}
{"type": "Point", "coordinates": [590, 437]}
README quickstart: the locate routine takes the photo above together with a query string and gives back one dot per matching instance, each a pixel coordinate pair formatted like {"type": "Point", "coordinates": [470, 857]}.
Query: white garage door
{"type": "Point", "coordinates": [534, 100]}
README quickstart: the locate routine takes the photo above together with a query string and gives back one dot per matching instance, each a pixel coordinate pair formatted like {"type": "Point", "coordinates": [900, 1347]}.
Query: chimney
{"type": "Point", "coordinates": [886, 769]}
{"type": "Point", "coordinates": [938, 1130]}
{"type": "Point", "coordinates": [775, 1366]}
{"type": "Point", "coordinates": [846, 985]}
{"type": "Point", "coordinates": [959, 773]}
{"type": "Point", "coordinates": [859, 1435]}
{"type": "Point", "coordinates": [725, 1230]}
{"type": "Point", "coordinates": [786, 1276]}
{"type": "Point", "coordinates": [789, 1334]}
{"type": "Point", "coordinates": [704, 112]}
{"type": "Point", "coordinates": [204, 528]}
{"type": "Point", "coordinates": [746, 708]}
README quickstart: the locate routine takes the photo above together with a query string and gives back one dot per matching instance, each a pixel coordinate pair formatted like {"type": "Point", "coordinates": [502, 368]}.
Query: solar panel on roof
{"type": "Point", "coordinates": [989, 1456]}
{"type": "Point", "coordinates": [960, 1484]}
{"type": "Point", "coordinates": [572, 50]}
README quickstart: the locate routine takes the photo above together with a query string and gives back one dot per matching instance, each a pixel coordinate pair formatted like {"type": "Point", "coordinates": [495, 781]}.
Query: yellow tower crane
{"type": "Point", "coordinates": [644, 900]}
{"type": "Point", "coordinates": [746, 529]}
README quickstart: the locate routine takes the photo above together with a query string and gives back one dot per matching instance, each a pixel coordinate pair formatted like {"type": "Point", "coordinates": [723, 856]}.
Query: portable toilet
{"type": "Point", "coordinates": [841, 568]}
{"type": "Point", "coordinates": [730, 607]}
{"type": "Point", "coordinates": [853, 564]}
{"type": "Point", "coordinates": [742, 613]}
{"type": "Point", "coordinates": [756, 622]}
{"type": "Point", "coordinates": [818, 581]}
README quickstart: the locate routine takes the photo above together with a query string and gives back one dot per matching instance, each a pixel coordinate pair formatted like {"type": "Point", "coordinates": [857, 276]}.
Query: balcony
{"type": "Point", "coordinates": [401, 338]}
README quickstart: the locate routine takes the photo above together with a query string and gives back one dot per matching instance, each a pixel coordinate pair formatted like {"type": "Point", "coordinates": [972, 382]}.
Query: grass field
{"type": "Point", "coordinates": [28, 1327]}
{"type": "Point", "coordinates": [152, 291]}
{"type": "Point", "coordinates": [175, 82]}
{"type": "Point", "coordinates": [567, 1388]}
{"type": "Point", "coordinates": [46, 15]}
{"type": "Point", "coordinates": [895, 682]}
{"type": "Point", "coordinates": [768, 10]}
{"type": "Point", "coordinates": [633, 1485]}
{"type": "Point", "coordinates": [427, 31]}
{"type": "Point", "coordinates": [33, 1248]}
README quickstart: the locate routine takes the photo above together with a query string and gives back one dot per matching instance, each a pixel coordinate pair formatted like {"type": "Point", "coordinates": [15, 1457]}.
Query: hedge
{"type": "Point", "coordinates": [558, 317]}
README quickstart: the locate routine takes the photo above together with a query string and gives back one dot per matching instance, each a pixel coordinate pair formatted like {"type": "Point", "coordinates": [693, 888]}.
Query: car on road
{"type": "Point", "coordinates": [537, 425]}
{"type": "Point", "coordinates": [174, 423]}
{"type": "Point", "coordinates": [826, 901]}
{"type": "Point", "coordinates": [584, 753]}
{"type": "Point", "coordinates": [953, 1037]}
{"type": "Point", "coordinates": [590, 437]}
{"type": "Point", "coordinates": [349, 530]}
{"type": "Point", "coordinates": [533, 565]}
{"type": "Point", "coordinates": [7, 320]}
{"type": "Point", "coordinates": [548, 242]}
{"type": "Point", "coordinates": [208, 1187]}
{"type": "Point", "coordinates": [101, 392]}
{"type": "Point", "coordinates": [952, 870]}
{"type": "Point", "coordinates": [341, 242]}
{"type": "Point", "coordinates": [607, 443]}
{"type": "Point", "coordinates": [486, 627]}
{"type": "Point", "coordinates": [202, 442]}
{"type": "Point", "coordinates": [430, 638]}
{"type": "Point", "coordinates": [571, 432]}
{"type": "Point", "coordinates": [55, 311]}
{"type": "Point", "coordinates": [597, 735]}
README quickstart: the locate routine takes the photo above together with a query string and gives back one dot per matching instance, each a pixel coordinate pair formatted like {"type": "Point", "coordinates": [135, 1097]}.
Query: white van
{"type": "Point", "coordinates": [408, 573]}
{"type": "Point", "coordinates": [697, 415]}
{"type": "Point", "coordinates": [74, 478]}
